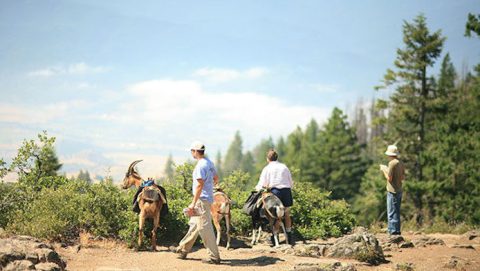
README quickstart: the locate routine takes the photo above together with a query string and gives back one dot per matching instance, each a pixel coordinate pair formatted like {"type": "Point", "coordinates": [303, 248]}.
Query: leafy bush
{"type": "Point", "coordinates": [315, 215]}
{"type": "Point", "coordinates": [60, 214]}
{"type": "Point", "coordinates": [58, 209]}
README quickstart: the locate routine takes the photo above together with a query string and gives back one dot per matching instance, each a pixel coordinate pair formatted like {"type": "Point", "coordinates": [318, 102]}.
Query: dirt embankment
{"type": "Point", "coordinates": [462, 253]}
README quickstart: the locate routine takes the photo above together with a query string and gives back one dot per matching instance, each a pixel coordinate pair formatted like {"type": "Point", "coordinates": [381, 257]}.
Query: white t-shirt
{"type": "Point", "coordinates": [275, 174]}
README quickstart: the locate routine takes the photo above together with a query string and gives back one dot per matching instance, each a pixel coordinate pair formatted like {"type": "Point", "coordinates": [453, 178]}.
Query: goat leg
{"type": "Point", "coordinates": [227, 222]}
{"type": "Point", "coordinates": [284, 231]}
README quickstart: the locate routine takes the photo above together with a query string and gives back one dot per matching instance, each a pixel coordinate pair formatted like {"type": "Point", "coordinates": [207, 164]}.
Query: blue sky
{"type": "Point", "coordinates": [116, 81]}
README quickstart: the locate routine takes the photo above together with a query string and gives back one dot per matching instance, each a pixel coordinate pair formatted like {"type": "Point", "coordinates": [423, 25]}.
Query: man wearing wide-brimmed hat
{"type": "Point", "coordinates": [395, 174]}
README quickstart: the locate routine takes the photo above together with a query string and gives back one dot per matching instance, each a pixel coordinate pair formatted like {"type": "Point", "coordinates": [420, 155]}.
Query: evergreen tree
{"type": "Point", "coordinates": [455, 193]}
{"type": "Point", "coordinates": [293, 149]}
{"type": "Point", "coordinates": [411, 99]}
{"type": "Point", "coordinates": [218, 165]}
{"type": "Point", "coordinates": [169, 170]}
{"type": "Point", "coordinates": [360, 123]}
{"type": "Point", "coordinates": [339, 162]}
{"type": "Point", "coordinates": [234, 155]}
{"type": "Point", "coordinates": [281, 148]}
{"type": "Point", "coordinates": [260, 156]}
{"type": "Point", "coordinates": [308, 153]}
{"type": "Point", "coordinates": [411, 102]}
{"type": "Point", "coordinates": [473, 25]}
{"type": "Point", "coordinates": [84, 176]}
{"type": "Point", "coordinates": [47, 163]}
{"type": "Point", "coordinates": [370, 203]}
{"type": "Point", "coordinates": [247, 164]}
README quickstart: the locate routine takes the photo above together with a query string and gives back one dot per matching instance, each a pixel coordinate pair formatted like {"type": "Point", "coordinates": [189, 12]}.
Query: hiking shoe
{"type": "Point", "coordinates": [211, 261]}
{"type": "Point", "coordinates": [272, 240]}
{"type": "Point", "coordinates": [173, 249]}
{"type": "Point", "coordinates": [182, 255]}
{"type": "Point", "coordinates": [290, 239]}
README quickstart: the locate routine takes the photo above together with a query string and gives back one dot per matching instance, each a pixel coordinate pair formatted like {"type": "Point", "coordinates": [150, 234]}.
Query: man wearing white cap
{"type": "Point", "coordinates": [395, 174]}
{"type": "Point", "coordinates": [204, 178]}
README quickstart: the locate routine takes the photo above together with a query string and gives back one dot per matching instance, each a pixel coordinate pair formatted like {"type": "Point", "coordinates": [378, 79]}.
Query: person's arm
{"type": "Point", "coordinates": [389, 174]}
{"type": "Point", "coordinates": [215, 180]}
{"type": "Point", "coordinates": [198, 192]}
{"type": "Point", "coordinates": [262, 181]}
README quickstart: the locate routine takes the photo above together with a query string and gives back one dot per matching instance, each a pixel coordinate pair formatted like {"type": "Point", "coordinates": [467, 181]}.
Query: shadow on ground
{"type": "Point", "coordinates": [257, 261]}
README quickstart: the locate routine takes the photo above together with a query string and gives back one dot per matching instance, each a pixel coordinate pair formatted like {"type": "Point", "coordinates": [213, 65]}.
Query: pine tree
{"type": "Point", "coordinates": [84, 176]}
{"type": "Point", "coordinates": [234, 155]}
{"type": "Point", "coordinates": [260, 156]}
{"type": "Point", "coordinates": [360, 123]}
{"type": "Point", "coordinates": [218, 165]}
{"type": "Point", "coordinates": [47, 163]}
{"type": "Point", "coordinates": [455, 147]}
{"type": "Point", "coordinates": [339, 162]}
{"type": "Point", "coordinates": [473, 25]}
{"type": "Point", "coordinates": [281, 147]}
{"type": "Point", "coordinates": [308, 153]}
{"type": "Point", "coordinates": [247, 164]}
{"type": "Point", "coordinates": [411, 102]}
{"type": "Point", "coordinates": [293, 149]}
{"type": "Point", "coordinates": [169, 170]}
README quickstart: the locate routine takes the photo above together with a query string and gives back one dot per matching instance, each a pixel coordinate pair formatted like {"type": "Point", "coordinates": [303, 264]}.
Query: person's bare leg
{"type": "Point", "coordinates": [288, 220]}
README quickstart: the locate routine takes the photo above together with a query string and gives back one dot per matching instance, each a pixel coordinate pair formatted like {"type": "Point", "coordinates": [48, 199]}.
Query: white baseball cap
{"type": "Point", "coordinates": [392, 151]}
{"type": "Point", "coordinates": [198, 146]}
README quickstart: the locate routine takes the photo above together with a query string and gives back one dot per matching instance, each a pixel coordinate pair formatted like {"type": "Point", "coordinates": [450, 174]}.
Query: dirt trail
{"type": "Point", "coordinates": [262, 257]}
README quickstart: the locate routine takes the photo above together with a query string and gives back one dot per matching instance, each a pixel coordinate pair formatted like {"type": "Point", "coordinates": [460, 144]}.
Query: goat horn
{"type": "Point", "coordinates": [132, 165]}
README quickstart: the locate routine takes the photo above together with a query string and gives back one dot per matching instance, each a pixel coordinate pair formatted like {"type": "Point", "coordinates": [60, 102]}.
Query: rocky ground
{"type": "Point", "coordinates": [359, 251]}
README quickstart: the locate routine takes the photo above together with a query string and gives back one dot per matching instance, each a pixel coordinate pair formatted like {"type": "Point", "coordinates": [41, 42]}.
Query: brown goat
{"type": "Point", "coordinates": [219, 209]}
{"type": "Point", "coordinates": [150, 201]}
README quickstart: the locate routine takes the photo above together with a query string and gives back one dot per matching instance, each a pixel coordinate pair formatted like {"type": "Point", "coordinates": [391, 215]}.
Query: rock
{"type": "Point", "coordinates": [33, 257]}
{"type": "Point", "coordinates": [48, 267]}
{"type": "Point", "coordinates": [396, 239]}
{"type": "Point", "coordinates": [404, 267]}
{"type": "Point", "coordinates": [336, 266]}
{"type": "Point", "coordinates": [466, 246]}
{"type": "Point", "coordinates": [23, 252]}
{"type": "Point", "coordinates": [472, 234]}
{"type": "Point", "coordinates": [359, 230]}
{"type": "Point", "coordinates": [10, 256]}
{"type": "Point", "coordinates": [428, 241]}
{"type": "Point", "coordinates": [456, 263]}
{"type": "Point", "coordinates": [310, 250]}
{"type": "Point", "coordinates": [406, 244]}
{"type": "Point", "coordinates": [363, 247]}
{"type": "Point", "coordinates": [20, 266]}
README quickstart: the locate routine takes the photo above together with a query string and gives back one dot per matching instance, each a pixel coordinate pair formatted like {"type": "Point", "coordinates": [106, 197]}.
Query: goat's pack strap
{"type": "Point", "coordinates": [264, 195]}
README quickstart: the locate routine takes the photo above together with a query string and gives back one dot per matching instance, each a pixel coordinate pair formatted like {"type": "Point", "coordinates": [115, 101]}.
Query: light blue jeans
{"type": "Point", "coordinates": [393, 212]}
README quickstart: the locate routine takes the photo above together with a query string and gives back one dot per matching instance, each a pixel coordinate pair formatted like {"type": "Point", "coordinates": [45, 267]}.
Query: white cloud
{"type": "Point", "coordinates": [150, 119]}
{"type": "Point", "coordinates": [187, 111]}
{"type": "Point", "coordinates": [218, 75]}
{"type": "Point", "coordinates": [24, 114]}
{"type": "Point", "coordinates": [72, 69]}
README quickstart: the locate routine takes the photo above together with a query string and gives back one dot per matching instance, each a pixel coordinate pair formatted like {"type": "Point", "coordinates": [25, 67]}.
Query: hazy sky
{"type": "Point", "coordinates": [117, 81]}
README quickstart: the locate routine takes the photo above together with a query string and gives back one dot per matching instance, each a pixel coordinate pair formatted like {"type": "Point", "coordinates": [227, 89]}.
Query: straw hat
{"type": "Point", "coordinates": [392, 150]}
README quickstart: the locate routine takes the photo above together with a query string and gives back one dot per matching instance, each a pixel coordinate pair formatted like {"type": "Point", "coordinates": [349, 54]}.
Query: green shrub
{"type": "Point", "coordinates": [62, 208]}
{"type": "Point", "coordinates": [317, 216]}
{"type": "Point", "coordinates": [60, 213]}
